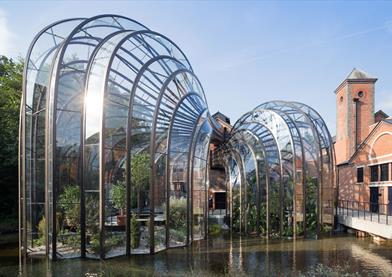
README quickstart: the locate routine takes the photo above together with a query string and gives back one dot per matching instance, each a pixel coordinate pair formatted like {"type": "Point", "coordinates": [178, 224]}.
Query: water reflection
{"type": "Point", "coordinates": [225, 256]}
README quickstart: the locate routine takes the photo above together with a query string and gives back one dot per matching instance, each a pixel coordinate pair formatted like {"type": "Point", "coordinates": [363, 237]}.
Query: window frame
{"type": "Point", "coordinates": [381, 177]}
{"type": "Point", "coordinates": [372, 180]}
{"type": "Point", "coordinates": [362, 168]}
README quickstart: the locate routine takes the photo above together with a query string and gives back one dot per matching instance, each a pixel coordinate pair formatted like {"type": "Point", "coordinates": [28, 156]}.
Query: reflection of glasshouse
{"type": "Point", "coordinates": [115, 136]}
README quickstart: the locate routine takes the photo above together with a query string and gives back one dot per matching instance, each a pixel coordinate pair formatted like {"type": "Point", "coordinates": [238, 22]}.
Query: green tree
{"type": "Point", "coordinates": [140, 176]}
{"type": "Point", "coordinates": [118, 197]}
{"type": "Point", "coordinates": [10, 95]}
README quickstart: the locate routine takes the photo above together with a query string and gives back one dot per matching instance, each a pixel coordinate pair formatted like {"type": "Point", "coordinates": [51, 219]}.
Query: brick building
{"type": "Point", "coordinates": [363, 145]}
{"type": "Point", "coordinates": [217, 190]}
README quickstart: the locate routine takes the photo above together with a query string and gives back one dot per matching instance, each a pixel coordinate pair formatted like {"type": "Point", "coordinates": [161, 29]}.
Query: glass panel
{"type": "Point", "coordinates": [37, 79]}
{"type": "Point", "coordinates": [374, 173]}
{"type": "Point", "coordinates": [384, 172]}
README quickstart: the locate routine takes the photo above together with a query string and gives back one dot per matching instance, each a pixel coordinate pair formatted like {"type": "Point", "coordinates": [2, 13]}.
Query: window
{"type": "Point", "coordinates": [374, 173]}
{"type": "Point", "coordinates": [360, 94]}
{"type": "Point", "coordinates": [384, 170]}
{"type": "Point", "coordinates": [360, 175]}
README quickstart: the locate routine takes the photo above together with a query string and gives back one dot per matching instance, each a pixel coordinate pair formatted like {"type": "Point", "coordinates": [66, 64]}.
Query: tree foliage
{"type": "Point", "coordinates": [140, 177]}
{"type": "Point", "coordinates": [10, 95]}
{"type": "Point", "coordinates": [118, 195]}
{"type": "Point", "coordinates": [140, 170]}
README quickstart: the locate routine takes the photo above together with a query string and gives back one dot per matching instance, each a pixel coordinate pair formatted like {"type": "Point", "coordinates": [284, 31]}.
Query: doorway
{"type": "Point", "coordinates": [374, 199]}
{"type": "Point", "coordinates": [220, 200]}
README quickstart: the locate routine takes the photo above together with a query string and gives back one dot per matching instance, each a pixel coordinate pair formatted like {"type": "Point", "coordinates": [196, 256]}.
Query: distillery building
{"type": "Point", "coordinates": [363, 146]}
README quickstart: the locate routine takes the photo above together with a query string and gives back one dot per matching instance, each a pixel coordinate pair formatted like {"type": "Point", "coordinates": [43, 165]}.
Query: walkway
{"type": "Point", "coordinates": [373, 223]}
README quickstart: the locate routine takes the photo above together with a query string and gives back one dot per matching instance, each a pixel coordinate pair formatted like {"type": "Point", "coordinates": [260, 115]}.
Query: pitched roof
{"type": "Point", "coordinates": [364, 142]}
{"type": "Point", "coordinates": [381, 115]}
{"type": "Point", "coordinates": [223, 117]}
{"type": "Point", "coordinates": [357, 74]}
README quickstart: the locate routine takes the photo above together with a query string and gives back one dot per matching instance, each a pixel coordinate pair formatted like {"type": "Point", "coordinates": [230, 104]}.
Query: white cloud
{"type": "Point", "coordinates": [6, 36]}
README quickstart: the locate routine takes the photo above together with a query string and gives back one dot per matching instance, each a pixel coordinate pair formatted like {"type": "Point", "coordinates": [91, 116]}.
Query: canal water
{"type": "Point", "coordinates": [223, 256]}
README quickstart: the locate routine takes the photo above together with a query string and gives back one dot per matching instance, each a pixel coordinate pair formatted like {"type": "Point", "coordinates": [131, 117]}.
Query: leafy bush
{"type": "Point", "coordinates": [11, 91]}
{"type": "Point", "coordinates": [311, 206]}
{"type": "Point", "coordinates": [118, 196]}
{"type": "Point", "coordinates": [140, 177]}
{"type": "Point", "coordinates": [178, 213]}
{"type": "Point", "coordinates": [69, 202]}
{"type": "Point", "coordinates": [135, 232]}
{"type": "Point", "coordinates": [214, 229]}
{"type": "Point", "coordinates": [70, 239]}
{"type": "Point", "coordinates": [42, 227]}
{"type": "Point", "coordinates": [41, 233]}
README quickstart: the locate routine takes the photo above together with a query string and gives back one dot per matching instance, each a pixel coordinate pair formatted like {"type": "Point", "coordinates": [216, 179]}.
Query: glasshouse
{"type": "Point", "coordinates": [117, 143]}
{"type": "Point", "coordinates": [279, 161]}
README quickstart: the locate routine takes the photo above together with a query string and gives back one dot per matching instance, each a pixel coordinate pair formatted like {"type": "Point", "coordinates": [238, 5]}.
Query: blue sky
{"type": "Point", "coordinates": [246, 53]}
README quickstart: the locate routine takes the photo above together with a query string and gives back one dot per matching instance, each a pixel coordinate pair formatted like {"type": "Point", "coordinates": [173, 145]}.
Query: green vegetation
{"type": "Point", "coordinates": [140, 177]}
{"type": "Point", "coordinates": [10, 94]}
{"type": "Point", "coordinates": [177, 218]}
{"type": "Point", "coordinates": [69, 203]}
{"type": "Point", "coordinates": [135, 232]}
{"type": "Point", "coordinates": [178, 211]}
{"type": "Point", "coordinates": [118, 196]}
{"type": "Point", "coordinates": [41, 233]}
{"type": "Point", "coordinates": [110, 242]}
{"type": "Point", "coordinates": [251, 209]}
{"type": "Point", "coordinates": [214, 229]}
{"type": "Point", "coordinates": [311, 206]}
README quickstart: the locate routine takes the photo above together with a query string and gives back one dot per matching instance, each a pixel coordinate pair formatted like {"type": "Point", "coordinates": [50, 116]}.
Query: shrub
{"type": "Point", "coordinates": [214, 229]}
{"type": "Point", "coordinates": [177, 213]}
{"type": "Point", "coordinates": [135, 236]}
{"type": "Point", "coordinates": [69, 202]}
{"type": "Point", "coordinates": [41, 232]}
{"type": "Point", "coordinates": [118, 195]}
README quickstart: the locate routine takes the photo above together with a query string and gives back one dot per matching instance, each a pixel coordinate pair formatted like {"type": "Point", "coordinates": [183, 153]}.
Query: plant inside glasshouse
{"type": "Point", "coordinates": [251, 209]}
{"type": "Point", "coordinates": [68, 219]}
{"type": "Point", "coordinates": [69, 203]}
{"type": "Point", "coordinates": [42, 233]}
{"type": "Point", "coordinates": [263, 219]}
{"type": "Point", "coordinates": [135, 232]}
{"type": "Point", "coordinates": [140, 179]}
{"type": "Point", "coordinates": [274, 211]}
{"type": "Point", "coordinates": [118, 199]}
{"type": "Point", "coordinates": [177, 219]}
{"type": "Point", "coordinates": [214, 229]}
{"type": "Point", "coordinates": [140, 187]}
{"type": "Point", "coordinates": [137, 112]}
{"type": "Point", "coordinates": [311, 206]}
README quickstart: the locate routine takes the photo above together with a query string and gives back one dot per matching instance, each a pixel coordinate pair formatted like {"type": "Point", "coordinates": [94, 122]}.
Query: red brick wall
{"type": "Point", "coordinates": [377, 150]}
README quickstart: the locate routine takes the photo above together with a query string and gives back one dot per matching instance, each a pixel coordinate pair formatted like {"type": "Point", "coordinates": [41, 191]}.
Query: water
{"type": "Point", "coordinates": [222, 256]}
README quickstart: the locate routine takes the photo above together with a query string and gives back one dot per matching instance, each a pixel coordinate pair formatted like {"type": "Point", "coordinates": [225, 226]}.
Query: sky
{"type": "Point", "coordinates": [246, 53]}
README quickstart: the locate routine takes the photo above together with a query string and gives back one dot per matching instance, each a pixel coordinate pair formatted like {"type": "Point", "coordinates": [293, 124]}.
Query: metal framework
{"type": "Point", "coordinates": [114, 125]}
{"type": "Point", "coordinates": [280, 160]}
{"type": "Point", "coordinates": [114, 149]}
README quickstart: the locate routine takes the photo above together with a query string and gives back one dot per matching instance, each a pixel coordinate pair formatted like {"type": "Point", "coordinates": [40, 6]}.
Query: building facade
{"type": "Point", "coordinates": [363, 146]}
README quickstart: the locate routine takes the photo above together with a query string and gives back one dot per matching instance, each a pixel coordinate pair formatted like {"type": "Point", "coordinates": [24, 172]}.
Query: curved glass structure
{"type": "Point", "coordinates": [115, 138]}
{"type": "Point", "coordinates": [280, 160]}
